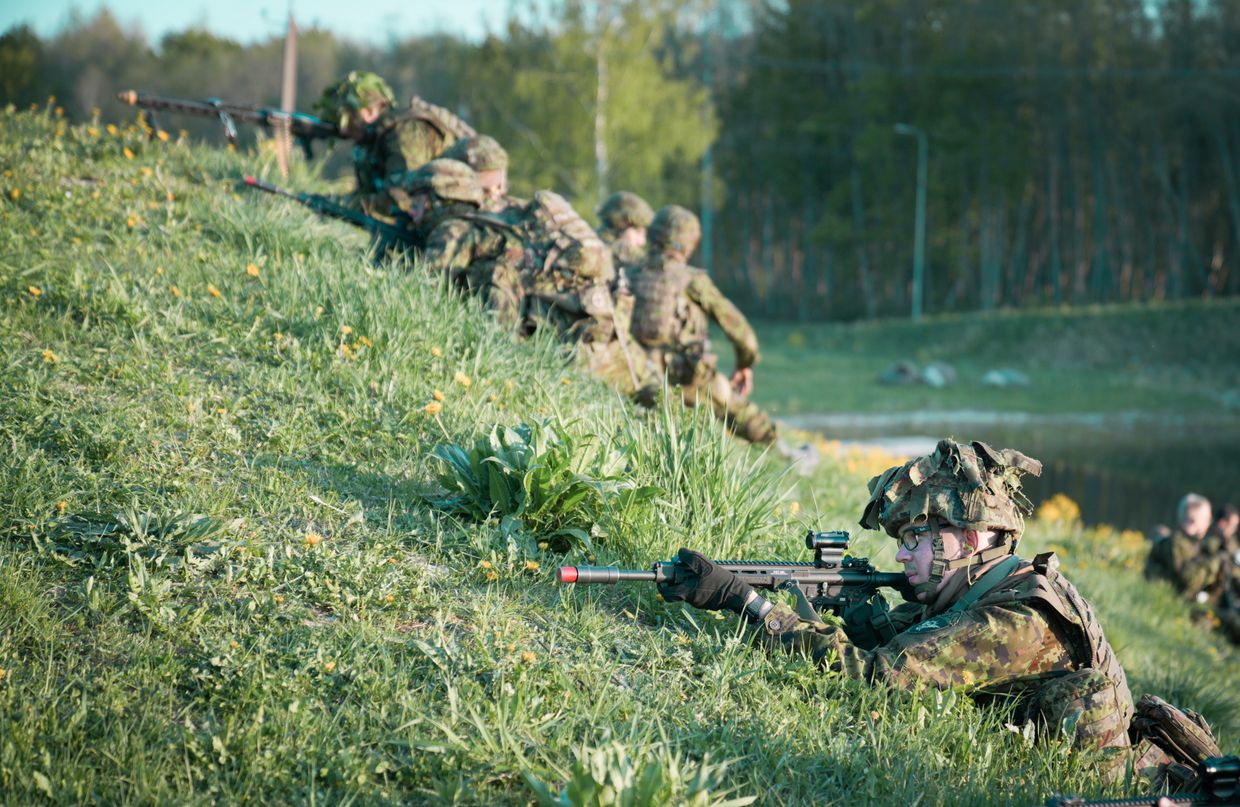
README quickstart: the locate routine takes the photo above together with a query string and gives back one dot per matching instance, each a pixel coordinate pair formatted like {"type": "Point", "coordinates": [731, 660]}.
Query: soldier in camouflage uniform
{"type": "Point", "coordinates": [672, 305]}
{"type": "Point", "coordinates": [479, 252]}
{"type": "Point", "coordinates": [485, 155]}
{"type": "Point", "coordinates": [983, 619]}
{"type": "Point", "coordinates": [1184, 558]}
{"type": "Point", "coordinates": [623, 219]}
{"type": "Point", "coordinates": [388, 142]}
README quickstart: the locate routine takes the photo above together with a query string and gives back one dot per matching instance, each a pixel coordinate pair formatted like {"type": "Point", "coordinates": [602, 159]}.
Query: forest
{"type": "Point", "coordinates": [1078, 151]}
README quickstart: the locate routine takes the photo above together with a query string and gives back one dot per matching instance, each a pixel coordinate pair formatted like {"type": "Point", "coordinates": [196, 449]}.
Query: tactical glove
{"type": "Point", "coordinates": [704, 585]}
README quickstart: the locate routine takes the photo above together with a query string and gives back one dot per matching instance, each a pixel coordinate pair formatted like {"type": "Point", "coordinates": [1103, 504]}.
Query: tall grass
{"type": "Point", "coordinates": [221, 579]}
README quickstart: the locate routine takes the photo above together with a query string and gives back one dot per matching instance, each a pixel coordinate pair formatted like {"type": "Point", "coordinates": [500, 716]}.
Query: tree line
{"type": "Point", "coordinates": [1079, 151]}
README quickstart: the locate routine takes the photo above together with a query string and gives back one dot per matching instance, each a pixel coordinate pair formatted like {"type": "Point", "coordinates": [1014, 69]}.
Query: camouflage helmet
{"type": "Point", "coordinates": [447, 180]}
{"type": "Point", "coordinates": [359, 89]}
{"type": "Point", "coordinates": [480, 152]}
{"type": "Point", "coordinates": [970, 486]}
{"type": "Point", "coordinates": [674, 228]}
{"type": "Point", "coordinates": [624, 209]}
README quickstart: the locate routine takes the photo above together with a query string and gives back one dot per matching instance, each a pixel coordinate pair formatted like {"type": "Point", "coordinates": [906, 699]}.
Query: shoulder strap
{"type": "Point", "coordinates": [986, 584]}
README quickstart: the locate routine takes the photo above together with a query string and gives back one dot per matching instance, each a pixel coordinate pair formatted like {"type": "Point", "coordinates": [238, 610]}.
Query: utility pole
{"type": "Point", "coordinates": [288, 97]}
{"type": "Point", "coordinates": [919, 234]}
{"type": "Point", "coordinates": [708, 159]}
{"type": "Point", "coordinates": [602, 168]}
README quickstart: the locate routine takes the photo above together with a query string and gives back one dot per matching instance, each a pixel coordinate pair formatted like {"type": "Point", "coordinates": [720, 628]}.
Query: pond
{"type": "Point", "coordinates": [1127, 470]}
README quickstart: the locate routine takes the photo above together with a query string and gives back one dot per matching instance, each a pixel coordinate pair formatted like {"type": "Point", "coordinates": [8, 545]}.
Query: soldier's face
{"type": "Point", "coordinates": [916, 551]}
{"type": "Point", "coordinates": [634, 237]}
{"type": "Point", "coordinates": [494, 183]}
{"type": "Point", "coordinates": [1196, 522]}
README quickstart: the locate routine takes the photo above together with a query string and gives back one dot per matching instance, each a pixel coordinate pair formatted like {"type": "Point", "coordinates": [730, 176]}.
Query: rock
{"type": "Point", "coordinates": [938, 374]}
{"type": "Point", "coordinates": [900, 374]}
{"type": "Point", "coordinates": [1005, 377]}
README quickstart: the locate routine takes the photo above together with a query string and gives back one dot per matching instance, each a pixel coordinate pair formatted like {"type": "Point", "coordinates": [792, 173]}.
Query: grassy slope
{"type": "Point", "coordinates": [332, 639]}
{"type": "Point", "coordinates": [1181, 359]}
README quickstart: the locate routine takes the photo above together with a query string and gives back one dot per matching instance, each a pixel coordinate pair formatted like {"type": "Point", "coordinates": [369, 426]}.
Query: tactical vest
{"type": "Point", "coordinates": [1041, 583]}
{"type": "Point", "coordinates": [567, 253]}
{"type": "Point", "coordinates": [450, 127]}
{"type": "Point", "coordinates": [663, 314]}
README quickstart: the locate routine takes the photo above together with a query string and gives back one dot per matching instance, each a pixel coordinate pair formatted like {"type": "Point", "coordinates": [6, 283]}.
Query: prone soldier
{"type": "Point", "coordinates": [623, 219]}
{"type": "Point", "coordinates": [485, 155]}
{"type": "Point", "coordinates": [1183, 558]}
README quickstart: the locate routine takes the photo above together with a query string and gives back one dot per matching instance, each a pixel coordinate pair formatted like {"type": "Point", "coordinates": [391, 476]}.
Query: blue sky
{"type": "Point", "coordinates": [372, 21]}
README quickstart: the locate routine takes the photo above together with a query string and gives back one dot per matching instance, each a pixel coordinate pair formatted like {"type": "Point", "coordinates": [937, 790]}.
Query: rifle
{"type": "Point", "coordinates": [832, 581]}
{"type": "Point", "coordinates": [1219, 783]}
{"type": "Point", "coordinates": [305, 128]}
{"type": "Point", "coordinates": [326, 207]}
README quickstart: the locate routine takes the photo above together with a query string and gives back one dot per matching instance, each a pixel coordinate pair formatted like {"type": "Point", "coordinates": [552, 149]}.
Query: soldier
{"type": "Point", "coordinates": [483, 253]}
{"type": "Point", "coordinates": [1182, 558]}
{"type": "Point", "coordinates": [623, 219]}
{"type": "Point", "coordinates": [984, 618]}
{"type": "Point", "coordinates": [672, 304]}
{"type": "Point", "coordinates": [388, 141]}
{"type": "Point", "coordinates": [485, 155]}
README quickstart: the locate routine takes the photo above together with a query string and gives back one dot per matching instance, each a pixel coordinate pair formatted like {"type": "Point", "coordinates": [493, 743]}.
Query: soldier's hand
{"type": "Point", "coordinates": [704, 585]}
{"type": "Point", "coordinates": [742, 382]}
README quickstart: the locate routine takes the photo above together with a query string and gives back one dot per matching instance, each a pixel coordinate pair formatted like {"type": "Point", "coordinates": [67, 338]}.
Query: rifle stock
{"type": "Point", "coordinates": [326, 207]}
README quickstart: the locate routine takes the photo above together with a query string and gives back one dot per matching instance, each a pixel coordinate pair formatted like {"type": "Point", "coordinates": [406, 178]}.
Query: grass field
{"type": "Point", "coordinates": [223, 578]}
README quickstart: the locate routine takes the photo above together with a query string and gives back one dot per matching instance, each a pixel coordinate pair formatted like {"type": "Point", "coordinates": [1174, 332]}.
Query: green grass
{"type": "Point", "coordinates": [1180, 359]}
{"type": "Point", "coordinates": [221, 580]}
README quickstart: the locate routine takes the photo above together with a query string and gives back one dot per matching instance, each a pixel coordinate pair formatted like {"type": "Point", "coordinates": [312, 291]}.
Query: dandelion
{"type": "Point", "coordinates": [434, 408]}
{"type": "Point", "coordinates": [190, 407]}
{"type": "Point", "coordinates": [794, 508]}
{"type": "Point", "coordinates": [484, 564]}
{"type": "Point", "coordinates": [565, 381]}
{"type": "Point", "coordinates": [159, 270]}
{"type": "Point", "coordinates": [132, 221]}
{"type": "Point", "coordinates": [62, 506]}
{"type": "Point", "coordinates": [361, 340]}
{"type": "Point", "coordinates": [50, 357]}
{"type": "Point", "coordinates": [492, 397]}
{"type": "Point", "coordinates": [212, 290]}
{"type": "Point", "coordinates": [175, 291]}
{"type": "Point", "coordinates": [543, 545]}
{"type": "Point", "coordinates": [233, 644]}
{"type": "Point", "coordinates": [511, 647]}
{"type": "Point", "coordinates": [345, 330]}
{"type": "Point", "coordinates": [437, 395]}
{"type": "Point", "coordinates": [162, 135]}
{"type": "Point", "coordinates": [146, 171]}
{"type": "Point", "coordinates": [112, 130]}
{"type": "Point", "coordinates": [279, 599]}
{"type": "Point", "coordinates": [92, 131]}
{"type": "Point", "coordinates": [251, 270]}
{"type": "Point", "coordinates": [15, 194]}
{"type": "Point", "coordinates": [392, 561]}
{"type": "Point", "coordinates": [389, 599]}
{"type": "Point", "coordinates": [463, 379]}
{"type": "Point", "coordinates": [436, 352]}
{"type": "Point", "coordinates": [35, 291]}
{"type": "Point", "coordinates": [221, 411]}
{"type": "Point", "coordinates": [313, 539]}
{"type": "Point", "coordinates": [531, 565]}
{"type": "Point", "coordinates": [128, 154]}
{"type": "Point", "coordinates": [508, 385]}
{"type": "Point", "coordinates": [874, 715]}
{"type": "Point", "coordinates": [492, 577]}
{"type": "Point", "coordinates": [329, 667]}
{"type": "Point", "coordinates": [528, 657]}
{"type": "Point", "coordinates": [3, 673]}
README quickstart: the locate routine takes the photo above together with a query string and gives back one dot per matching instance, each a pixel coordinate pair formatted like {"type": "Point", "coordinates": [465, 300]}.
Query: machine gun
{"type": "Point", "coordinates": [324, 206]}
{"type": "Point", "coordinates": [1218, 784]}
{"type": "Point", "coordinates": [833, 581]}
{"type": "Point", "coordinates": [305, 129]}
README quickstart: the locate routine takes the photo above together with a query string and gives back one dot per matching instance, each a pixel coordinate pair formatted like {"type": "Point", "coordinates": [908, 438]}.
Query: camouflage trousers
{"type": "Point", "coordinates": [607, 361]}
{"type": "Point", "coordinates": [701, 384]}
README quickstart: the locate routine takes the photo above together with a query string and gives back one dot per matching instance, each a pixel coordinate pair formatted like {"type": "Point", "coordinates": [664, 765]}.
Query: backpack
{"type": "Point", "coordinates": [566, 250]}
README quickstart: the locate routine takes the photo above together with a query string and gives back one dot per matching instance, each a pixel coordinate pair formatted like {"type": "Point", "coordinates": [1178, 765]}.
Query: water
{"type": "Point", "coordinates": [1127, 470]}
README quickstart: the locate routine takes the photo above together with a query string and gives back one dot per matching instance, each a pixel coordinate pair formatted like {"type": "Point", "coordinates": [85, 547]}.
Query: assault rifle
{"type": "Point", "coordinates": [305, 129]}
{"type": "Point", "coordinates": [1219, 783]}
{"type": "Point", "coordinates": [326, 207]}
{"type": "Point", "coordinates": [833, 581]}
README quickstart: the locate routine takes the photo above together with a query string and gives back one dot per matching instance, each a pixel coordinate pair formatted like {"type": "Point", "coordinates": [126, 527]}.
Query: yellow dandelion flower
{"type": "Point", "coordinates": [874, 715]}
{"type": "Point", "coordinates": [233, 644]}
{"type": "Point", "coordinates": [132, 221]}
{"type": "Point", "coordinates": [251, 270]}
{"type": "Point", "coordinates": [162, 135]}
{"type": "Point", "coordinates": [393, 561]}
{"type": "Point", "coordinates": [566, 381]}
{"type": "Point", "coordinates": [61, 506]}
{"type": "Point", "coordinates": [436, 352]}
{"type": "Point", "coordinates": [15, 194]}
{"type": "Point", "coordinates": [543, 545]}
{"type": "Point", "coordinates": [463, 379]}
{"type": "Point", "coordinates": [510, 647]}
{"type": "Point", "coordinates": [92, 131]}
{"type": "Point", "coordinates": [434, 408]}
{"type": "Point", "coordinates": [212, 290]}
{"type": "Point", "coordinates": [361, 340]}
{"type": "Point", "coordinates": [50, 357]}
{"type": "Point", "coordinates": [528, 657]}
{"type": "Point", "coordinates": [159, 270]}
{"type": "Point", "coordinates": [531, 565]}
{"type": "Point", "coordinates": [112, 130]}
{"type": "Point", "coordinates": [35, 291]}
{"type": "Point", "coordinates": [492, 577]}
{"type": "Point", "coordinates": [492, 397]}
{"type": "Point", "coordinates": [794, 508]}
{"type": "Point", "coordinates": [3, 673]}
{"type": "Point", "coordinates": [484, 564]}
{"type": "Point", "coordinates": [190, 407]}
{"type": "Point", "coordinates": [313, 539]}
{"type": "Point", "coordinates": [279, 599]}
{"type": "Point", "coordinates": [508, 385]}
{"type": "Point", "coordinates": [128, 154]}
{"type": "Point", "coordinates": [221, 411]}
{"type": "Point", "coordinates": [389, 599]}
{"type": "Point", "coordinates": [437, 395]}
{"type": "Point", "coordinates": [345, 330]}
{"type": "Point", "coordinates": [277, 336]}
{"type": "Point", "coordinates": [146, 171]}
{"type": "Point", "coordinates": [329, 667]}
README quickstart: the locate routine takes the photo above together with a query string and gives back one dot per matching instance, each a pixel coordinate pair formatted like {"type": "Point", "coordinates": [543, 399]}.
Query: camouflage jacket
{"type": "Point", "coordinates": [397, 142]}
{"type": "Point", "coordinates": [623, 255]}
{"type": "Point", "coordinates": [672, 305]}
{"type": "Point", "coordinates": [1023, 639]}
{"type": "Point", "coordinates": [469, 247]}
{"type": "Point", "coordinates": [1186, 563]}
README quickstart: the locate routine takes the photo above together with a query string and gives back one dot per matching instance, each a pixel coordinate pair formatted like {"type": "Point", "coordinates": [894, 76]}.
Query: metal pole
{"type": "Point", "coordinates": [919, 235]}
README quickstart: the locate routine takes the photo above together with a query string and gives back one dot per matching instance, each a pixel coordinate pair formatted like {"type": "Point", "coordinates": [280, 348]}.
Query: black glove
{"type": "Point", "coordinates": [704, 585]}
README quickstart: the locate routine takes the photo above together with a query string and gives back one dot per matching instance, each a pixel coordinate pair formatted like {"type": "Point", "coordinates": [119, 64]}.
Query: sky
{"type": "Point", "coordinates": [369, 21]}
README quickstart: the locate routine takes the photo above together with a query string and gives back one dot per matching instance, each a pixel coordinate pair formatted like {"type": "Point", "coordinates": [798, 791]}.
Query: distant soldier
{"type": "Point", "coordinates": [483, 253]}
{"type": "Point", "coordinates": [1224, 543]}
{"type": "Point", "coordinates": [388, 141]}
{"type": "Point", "coordinates": [485, 155]}
{"type": "Point", "coordinates": [1182, 558]}
{"type": "Point", "coordinates": [623, 219]}
{"type": "Point", "coordinates": [673, 303]}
